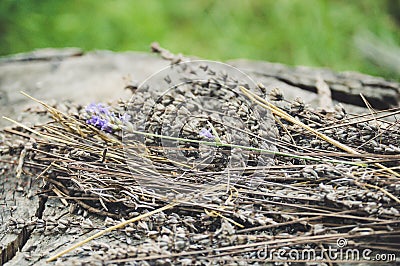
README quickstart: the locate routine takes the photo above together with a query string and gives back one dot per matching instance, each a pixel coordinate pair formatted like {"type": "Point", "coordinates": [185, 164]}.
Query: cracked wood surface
{"type": "Point", "coordinates": [99, 76]}
{"type": "Point", "coordinates": [16, 202]}
{"type": "Point", "coordinates": [345, 86]}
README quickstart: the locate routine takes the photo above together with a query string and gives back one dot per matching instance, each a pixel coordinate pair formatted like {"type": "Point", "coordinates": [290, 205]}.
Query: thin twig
{"type": "Point", "coordinates": [111, 228]}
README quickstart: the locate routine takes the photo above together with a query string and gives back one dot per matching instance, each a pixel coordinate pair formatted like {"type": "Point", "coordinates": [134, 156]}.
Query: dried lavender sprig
{"type": "Point", "coordinates": [100, 116]}
{"type": "Point", "coordinates": [218, 144]}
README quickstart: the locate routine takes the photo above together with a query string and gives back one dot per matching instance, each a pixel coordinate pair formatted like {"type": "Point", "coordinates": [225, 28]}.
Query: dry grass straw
{"type": "Point", "coordinates": [275, 110]}
{"type": "Point", "coordinates": [111, 228]}
{"type": "Point", "coordinates": [280, 193]}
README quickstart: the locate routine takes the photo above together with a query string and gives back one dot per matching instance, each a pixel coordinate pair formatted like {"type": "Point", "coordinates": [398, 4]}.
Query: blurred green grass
{"type": "Point", "coordinates": [296, 32]}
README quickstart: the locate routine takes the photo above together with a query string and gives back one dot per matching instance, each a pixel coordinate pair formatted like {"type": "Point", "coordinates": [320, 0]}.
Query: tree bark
{"type": "Point", "coordinates": [99, 76]}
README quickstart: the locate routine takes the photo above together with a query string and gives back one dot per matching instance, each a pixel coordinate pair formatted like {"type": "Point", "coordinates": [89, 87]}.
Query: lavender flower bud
{"type": "Point", "coordinates": [100, 116]}
{"type": "Point", "coordinates": [206, 133]}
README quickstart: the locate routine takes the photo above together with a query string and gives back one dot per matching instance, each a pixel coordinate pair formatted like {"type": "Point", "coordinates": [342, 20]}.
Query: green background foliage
{"type": "Point", "coordinates": [296, 32]}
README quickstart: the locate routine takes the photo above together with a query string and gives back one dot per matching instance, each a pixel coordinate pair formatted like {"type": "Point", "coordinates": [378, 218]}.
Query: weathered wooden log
{"type": "Point", "coordinates": [99, 76]}
{"type": "Point", "coordinates": [346, 87]}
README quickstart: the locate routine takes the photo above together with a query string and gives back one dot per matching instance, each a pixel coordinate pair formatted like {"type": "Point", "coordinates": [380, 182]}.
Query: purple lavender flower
{"type": "Point", "coordinates": [206, 133]}
{"type": "Point", "coordinates": [98, 108]}
{"type": "Point", "coordinates": [100, 116]}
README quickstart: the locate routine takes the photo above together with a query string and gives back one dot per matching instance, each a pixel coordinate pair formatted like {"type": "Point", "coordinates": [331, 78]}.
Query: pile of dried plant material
{"type": "Point", "coordinates": [330, 176]}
